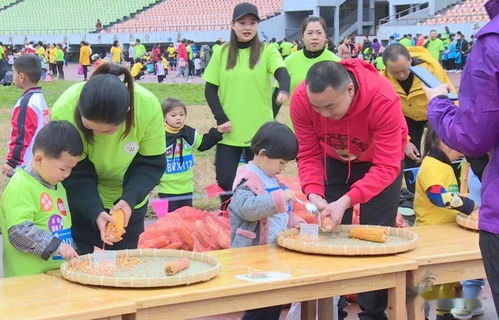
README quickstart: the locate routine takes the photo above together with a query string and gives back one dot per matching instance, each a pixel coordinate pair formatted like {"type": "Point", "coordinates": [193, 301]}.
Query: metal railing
{"type": "Point", "coordinates": [118, 29]}
{"type": "Point", "coordinates": [446, 19]}
{"type": "Point", "coordinates": [399, 15]}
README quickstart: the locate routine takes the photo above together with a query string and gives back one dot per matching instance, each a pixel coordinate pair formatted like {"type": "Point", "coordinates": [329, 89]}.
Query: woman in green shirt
{"type": "Point", "coordinates": [315, 40]}
{"type": "Point", "coordinates": [314, 36]}
{"type": "Point", "coordinates": [121, 125]}
{"type": "Point", "coordinates": [59, 59]}
{"type": "Point", "coordinates": [238, 90]}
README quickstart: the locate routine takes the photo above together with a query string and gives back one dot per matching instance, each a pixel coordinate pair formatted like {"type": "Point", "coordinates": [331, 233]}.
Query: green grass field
{"type": "Point", "coordinates": [198, 116]}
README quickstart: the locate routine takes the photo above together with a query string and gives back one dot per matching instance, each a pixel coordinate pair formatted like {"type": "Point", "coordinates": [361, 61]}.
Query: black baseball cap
{"type": "Point", "coordinates": [243, 9]}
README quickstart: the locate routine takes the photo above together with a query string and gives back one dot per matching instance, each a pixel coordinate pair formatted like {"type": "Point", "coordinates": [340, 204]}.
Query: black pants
{"type": "Point", "coordinates": [60, 69]}
{"type": "Point", "coordinates": [141, 74]}
{"type": "Point", "coordinates": [191, 68]}
{"type": "Point", "coordinates": [450, 64]}
{"type": "Point", "coordinates": [275, 107]}
{"type": "Point", "coordinates": [161, 78]}
{"type": "Point", "coordinates": [489, 246]}
{"type": "Point", "coordinates": [87, 236]}
{"type": "Point", "coordinates": [269, 313]}
{"type": "Point", "coordinates": [85, 72]}
{"type": "Point", "coordinates": [53, 69]}
{"type": "Point", "coordinates": [175, 204]}
{"type": "Point", "coordinates": [380, 210]}
{"type": "Point", "coordinates": [226, 163]}
{"type": "Point", "coordinates": [416, 129]}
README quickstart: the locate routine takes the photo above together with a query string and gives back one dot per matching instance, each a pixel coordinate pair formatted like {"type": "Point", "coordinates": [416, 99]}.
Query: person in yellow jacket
{"type": "Point", "coordinates": [52, 51]}
{"type": "Point", "coordinates": [85, 53]}
{"type": "Point", "coordinates": [397, 60]}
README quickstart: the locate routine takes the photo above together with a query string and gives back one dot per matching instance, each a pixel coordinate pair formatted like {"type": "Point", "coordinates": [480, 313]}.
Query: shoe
{"type": "Point", "coordinates": [467, 314]}
{"type": "Point", "coordinates": [445, 316]}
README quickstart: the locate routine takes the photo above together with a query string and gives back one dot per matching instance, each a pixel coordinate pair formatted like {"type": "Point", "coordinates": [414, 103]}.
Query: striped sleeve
{"type": "Point", "coordinates": [24, 123]}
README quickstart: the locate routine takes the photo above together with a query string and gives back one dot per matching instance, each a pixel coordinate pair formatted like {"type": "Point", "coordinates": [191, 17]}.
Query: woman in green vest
{"type": "Point", "coordinates": [121, 125]}
{"type": "Point", "coordinates": [315, 38]}
{"type": "Point", "coordinates": [238, 90]}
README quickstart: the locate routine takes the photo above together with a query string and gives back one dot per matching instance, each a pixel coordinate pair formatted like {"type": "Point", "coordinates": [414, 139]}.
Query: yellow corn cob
{"type": "Point", "coordinates": [369, 233]}
{"type": "Point", "coordinates": [174, 267]}
{"type": "Point", "coordinates": [116, 229]}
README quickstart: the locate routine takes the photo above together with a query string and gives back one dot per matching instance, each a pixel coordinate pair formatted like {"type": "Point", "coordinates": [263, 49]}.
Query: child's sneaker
{"type": "Point", "coordinates": [469, 310]}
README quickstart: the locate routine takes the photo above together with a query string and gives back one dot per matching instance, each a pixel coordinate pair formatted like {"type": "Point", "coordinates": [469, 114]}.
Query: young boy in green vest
{"type": "Point", "coordinates": [34, 212]}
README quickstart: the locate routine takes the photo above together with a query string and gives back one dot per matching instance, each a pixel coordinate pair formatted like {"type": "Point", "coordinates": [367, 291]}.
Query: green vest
{"type": "Point", "coordinates": [26, 199]}
{"type": "Point", "coordinates": [179, 173]}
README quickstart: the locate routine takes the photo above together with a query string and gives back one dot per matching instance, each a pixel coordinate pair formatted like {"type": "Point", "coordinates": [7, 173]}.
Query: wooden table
{"type": "Point", "coordinates": [43, 296]}
{"type": "Point", "coordinates": [312, 277]}
{"type": "Point", "coordinates": [447, 252]}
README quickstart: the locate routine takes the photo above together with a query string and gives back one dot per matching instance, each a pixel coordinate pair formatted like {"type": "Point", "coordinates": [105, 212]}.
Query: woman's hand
{"type": "Point", "coordinates": [225, 127]}
{"type": "Point", "coordinates": [431, 93]}
{"type": "Point", "coordinates": [123, 205]}
{"type": "Point", "coordinates": [282, 97]}
{"type": "Point", "coordinates": [412, 152]}
{"type": "Point", "coordinates": [102, 220]}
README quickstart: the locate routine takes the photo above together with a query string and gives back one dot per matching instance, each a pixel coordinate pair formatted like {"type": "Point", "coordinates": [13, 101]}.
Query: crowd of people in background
{"type": "Point", "coordinates": [187, 59]}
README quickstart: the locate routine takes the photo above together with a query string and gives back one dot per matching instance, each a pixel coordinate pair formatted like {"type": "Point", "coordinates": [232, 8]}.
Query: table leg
{"type": "Point", "coordinates": [325, 311]}
{"type": "Point", "coordinates": [308, 310]}
{"type": "Point", "coordinates": [415, 308]}
{"type": "Point", "coordinates": [396, 298]}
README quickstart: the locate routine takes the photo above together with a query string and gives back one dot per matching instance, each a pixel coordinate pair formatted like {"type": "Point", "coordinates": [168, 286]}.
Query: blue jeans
{"type": "Point", "coordinates": [472, 288]}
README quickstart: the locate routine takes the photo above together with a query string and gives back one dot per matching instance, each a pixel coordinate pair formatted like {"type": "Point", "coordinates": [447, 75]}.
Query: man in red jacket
{"type": "Point", "coordinates": [352, 135]}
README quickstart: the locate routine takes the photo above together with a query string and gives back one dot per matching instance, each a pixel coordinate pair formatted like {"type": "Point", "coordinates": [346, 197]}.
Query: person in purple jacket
{"type": "Point", "coordinates": [473, 129]}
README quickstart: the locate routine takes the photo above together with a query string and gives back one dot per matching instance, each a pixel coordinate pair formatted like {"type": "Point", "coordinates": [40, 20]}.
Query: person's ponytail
{"type": "Point", "coordinates": [97, 102]}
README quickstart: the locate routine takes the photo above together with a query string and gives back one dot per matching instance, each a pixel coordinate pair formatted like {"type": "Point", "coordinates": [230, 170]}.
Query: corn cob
{"type": "Point", "coordinates": [174, 267]}
{"type": "Point", "coordinates": [369, 233]}
{"type": "Point", "coordinates": [116, 228]}
{"type": "Point", "coordinates": [327, 224]}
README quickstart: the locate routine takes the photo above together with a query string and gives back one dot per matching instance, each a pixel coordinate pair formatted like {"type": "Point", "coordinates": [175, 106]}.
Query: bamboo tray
{"type": "Point", "coordinates": [338, 242]}
{"type": "Point", "coordinates": [149, 271]}
{"type": "Point", "coordinates": [468, 222]}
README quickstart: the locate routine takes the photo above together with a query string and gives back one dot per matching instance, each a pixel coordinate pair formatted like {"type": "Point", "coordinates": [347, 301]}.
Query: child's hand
{"type": "Point", "coordinates": [289, 195]}
{"type": "Point", "coordinates": [7, 170]}
{"type": "Point", "coordinates": [67, 251]}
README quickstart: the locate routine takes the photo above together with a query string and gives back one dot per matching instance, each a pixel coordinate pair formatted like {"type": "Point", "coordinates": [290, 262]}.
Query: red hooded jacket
{"type": "Point", "coordinates": [373, 130]}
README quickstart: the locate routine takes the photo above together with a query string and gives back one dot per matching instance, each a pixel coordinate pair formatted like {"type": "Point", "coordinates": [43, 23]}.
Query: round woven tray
{"type": "Point", "coordinates": [339, 243]}
{"type": "Point", "coordinates": [150, 271]}
{"type": "Point", "coordinates": [469, 222]}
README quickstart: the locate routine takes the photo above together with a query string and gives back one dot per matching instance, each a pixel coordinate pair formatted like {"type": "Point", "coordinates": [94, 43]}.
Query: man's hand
{"type": "Point", "coordinates": [335, 210]}
{"type": "Point", "coordinates": [319, 201]}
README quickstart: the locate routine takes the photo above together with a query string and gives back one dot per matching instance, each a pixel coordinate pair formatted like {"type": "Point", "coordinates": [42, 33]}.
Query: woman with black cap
{"type": "Point", "coordinates": [238, 90]}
